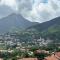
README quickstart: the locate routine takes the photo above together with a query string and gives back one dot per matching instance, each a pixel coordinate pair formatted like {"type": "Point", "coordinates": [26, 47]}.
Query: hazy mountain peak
{"type": "Point", "coordinates": [14, 20]}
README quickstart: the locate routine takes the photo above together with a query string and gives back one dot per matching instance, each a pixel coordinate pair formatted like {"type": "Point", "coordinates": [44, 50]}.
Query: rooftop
{"type": "Point", "coordinates": [29, 59]}
{"type": "Point", "coordinates": [55, 56]}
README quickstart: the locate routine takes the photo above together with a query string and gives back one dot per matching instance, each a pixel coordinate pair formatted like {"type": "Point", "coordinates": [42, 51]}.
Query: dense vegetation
{"type": "Point", "coordinates": [49, 29]}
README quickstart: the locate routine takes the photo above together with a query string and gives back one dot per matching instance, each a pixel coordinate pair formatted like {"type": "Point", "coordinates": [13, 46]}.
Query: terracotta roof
{"type": "Point", "coordinates": [55, 56]}
{"type": "Point", "coordinates": [58, 54]}
{"type": "Point", "coordinates": [29, 59]}
{"type": "Point", "coordinates": [51, 58]}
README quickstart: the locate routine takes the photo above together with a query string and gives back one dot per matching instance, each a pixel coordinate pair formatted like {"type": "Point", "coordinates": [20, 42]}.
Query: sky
{"type": "Point", "coordinates": [33, 10]}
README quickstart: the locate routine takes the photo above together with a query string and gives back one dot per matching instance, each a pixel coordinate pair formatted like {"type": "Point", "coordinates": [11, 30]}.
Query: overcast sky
{"type": "Point", "coordinates": [33, 10]}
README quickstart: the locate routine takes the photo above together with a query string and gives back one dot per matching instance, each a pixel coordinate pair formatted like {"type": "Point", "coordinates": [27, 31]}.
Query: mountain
{"type": "Point", "coordinates": [14, 21]}
{"type": "Point", "coordinates": [49, 29]}
{"type": "Point", "coordinates": [45, 25]}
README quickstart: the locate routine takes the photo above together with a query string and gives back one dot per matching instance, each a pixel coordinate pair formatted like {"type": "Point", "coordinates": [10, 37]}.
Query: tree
{"type": "Point", "coordinates": [40, 56]}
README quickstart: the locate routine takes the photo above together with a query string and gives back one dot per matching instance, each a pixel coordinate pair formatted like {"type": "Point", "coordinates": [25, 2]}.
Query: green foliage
{"type": "Point", "coordinates": [34, 48]}
{"type": "Point", "coordinates": [14, 58]}
{"type": "Point", "coordinates": [40, 55]}
{"type": "Point", "coordinates": [5, 54]}
{"type": "Point", "coordinates": [52, 33]}
{"type": "Point", "coordinates": [58, 50]}
{"type": "Point", "coordinates": [26, 55]}
{"type": "Point", "coordinates": [16, 53]}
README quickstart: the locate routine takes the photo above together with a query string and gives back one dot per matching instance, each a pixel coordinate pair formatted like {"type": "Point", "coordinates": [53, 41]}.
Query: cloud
{"type": "Point", "coordinates": [39, 10]}
{"type": "Point", "coordinates": [5, 10]}
{"type": "Point", "coordinates": [46, 11]}
{"type": "Point", "coordinates": [7, 7]}
{"type": "Point", "coordinates": [10, 3]}
{"type": "Point", "coordinates": [35, 10]}
{"type": "Point", "coordinates": [24, 6]}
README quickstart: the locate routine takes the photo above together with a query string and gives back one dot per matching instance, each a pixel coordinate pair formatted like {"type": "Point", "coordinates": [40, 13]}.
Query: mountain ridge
{"type": "Point", "coordinates": [46, 25]}
{"type": "Point", "coordinates": [14, 20]}
{"type": "Point", "coordinates": [49, 29]}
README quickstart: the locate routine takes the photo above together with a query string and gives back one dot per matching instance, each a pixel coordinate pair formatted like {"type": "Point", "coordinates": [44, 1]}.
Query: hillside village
{"type": "Point", "coordinates": [12, 48]}
{"type": "Point", "coordinates": [12, 40]}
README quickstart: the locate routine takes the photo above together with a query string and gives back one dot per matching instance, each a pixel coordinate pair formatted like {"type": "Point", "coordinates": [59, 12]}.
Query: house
{"type": "Point", "coordinates": [29, 59]}
{"type": "Point", "coordinates": [55, 56]}
{"type": "Point", "coordinates": [1, 59]}
{"type": "Point", "coordinates": [42, 51]}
